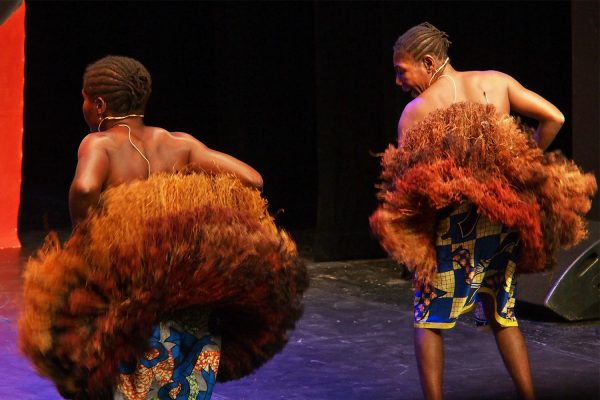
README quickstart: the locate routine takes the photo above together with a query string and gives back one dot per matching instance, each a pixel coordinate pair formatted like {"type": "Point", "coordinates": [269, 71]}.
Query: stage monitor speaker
{"type": "Point", "coordinates": [572, 288]}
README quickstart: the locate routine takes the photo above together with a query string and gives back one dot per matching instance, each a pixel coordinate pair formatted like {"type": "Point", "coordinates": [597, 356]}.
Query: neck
{"type": "Point", "coordinates": [448, 70]}
{"type": "Point", "coordinates": [133, 120]}
{"type": "Point", "coordinates": [440, 71]}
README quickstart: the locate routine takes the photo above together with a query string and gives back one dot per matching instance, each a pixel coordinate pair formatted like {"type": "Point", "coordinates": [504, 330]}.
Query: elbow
{"type": "Point", "coordinates": [82, 197]}
{"type": "Point", "coordinates": [559, 119]}
{"type": "Point", "coordinates": [250, 178]}
{"type": "Point", "coordinates": [256, 181]}
{"type": "Point", "coordinates": [83, 193]}
{"type": "Point", "coordinates": [84, 189]}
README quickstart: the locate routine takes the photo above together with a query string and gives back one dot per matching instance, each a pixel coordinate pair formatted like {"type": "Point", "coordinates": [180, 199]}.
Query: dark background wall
{"type": "Point", "coordinates": [237, 76]}
{"type": "Point", "coordinates": [303, 91]}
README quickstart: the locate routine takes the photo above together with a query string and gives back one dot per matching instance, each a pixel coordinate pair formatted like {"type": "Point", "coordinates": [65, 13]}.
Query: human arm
{"type": "Point", "coordinates": [91, 172]}
{"type": "Point", "coordinates": [212, 161]}
{"type": "Point", "coordinates": [413, 113]}
{"type": "Point", "coordinates": [532, 105]}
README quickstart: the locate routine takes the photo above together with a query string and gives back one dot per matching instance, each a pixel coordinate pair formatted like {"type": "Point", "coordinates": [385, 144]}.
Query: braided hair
{"type": "Point", "coordinates": [421, 40]}
{"type": "Point", "coordinates": [124, 83]}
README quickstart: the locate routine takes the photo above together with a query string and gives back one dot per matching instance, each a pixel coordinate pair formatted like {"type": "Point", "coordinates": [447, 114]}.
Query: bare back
{"type": "Point", "coordinates": [133, 151]}
{"type": "Point", "coordinates": [484, 87]}
{"type": "Point", "coordinates": [165, 151]}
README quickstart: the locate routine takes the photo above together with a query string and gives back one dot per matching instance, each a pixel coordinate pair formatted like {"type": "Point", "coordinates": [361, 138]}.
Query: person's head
{"type": "Point", "coordinates": [418, 55]}
{"type": "Point", "coordinates": [115, 86]}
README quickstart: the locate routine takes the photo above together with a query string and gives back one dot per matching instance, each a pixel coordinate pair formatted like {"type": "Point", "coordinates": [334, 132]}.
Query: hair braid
{"type": "Point", "coordinates": [124, 83]}
{"type": "Point", "coordinates": [421, 40]}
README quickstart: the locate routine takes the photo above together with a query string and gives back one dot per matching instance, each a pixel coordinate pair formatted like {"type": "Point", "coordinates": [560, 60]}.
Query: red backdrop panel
{"type": "Point", "coordinates": [12, 79]}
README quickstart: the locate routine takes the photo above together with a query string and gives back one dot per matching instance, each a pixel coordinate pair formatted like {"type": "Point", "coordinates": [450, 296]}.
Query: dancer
{"type": "Point", "coordinates": [122, 149]}
{"type": "Point", "coordinates": [469, 198]}
{"type": "Point", "coordinates": [173, 251]}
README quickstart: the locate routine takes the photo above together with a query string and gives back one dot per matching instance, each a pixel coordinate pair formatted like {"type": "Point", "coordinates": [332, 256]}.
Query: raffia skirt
{"type": "Point", "coordinates": [170, 245]}
{"type": "Point", "coordinates": [469, 153]}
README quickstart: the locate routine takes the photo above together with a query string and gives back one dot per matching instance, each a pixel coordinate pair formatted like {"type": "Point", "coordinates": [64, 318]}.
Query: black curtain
{"type": "Point", "coordinates": [358, 105]}
{"type": "Point", "coordinates": [304, 91]}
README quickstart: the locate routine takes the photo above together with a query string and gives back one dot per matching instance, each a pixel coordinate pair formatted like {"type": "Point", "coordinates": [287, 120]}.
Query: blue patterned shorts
{"type": "Point", "coordinates": [474, 256]}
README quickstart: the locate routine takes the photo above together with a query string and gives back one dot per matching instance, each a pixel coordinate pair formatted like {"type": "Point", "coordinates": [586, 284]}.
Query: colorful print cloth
{"type": "Point", "coordinates": [474, 256]}
{"type": "Point", "coordinates": [181, 364]}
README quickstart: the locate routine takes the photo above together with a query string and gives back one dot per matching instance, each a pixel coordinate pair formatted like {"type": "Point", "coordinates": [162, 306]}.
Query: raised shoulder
{"type": "Point", "coordinates": [208, 160]}
{"type": "Point", "coordinates": [530, 104]}
{"type": "Point", "coordinates": [523, 101]}
{"type": "Point", "coordinates": [182, 135]}
{"type": "Point", "coordinates": [93, 141]}
{"type": "Point", "coordinates": [189, 139]}
{"type": "Point", "coordinates": [493, 82]}
{"type": "Point", "coordinates": [490, 75]}
{"type": "Point", "coordinates": [94, 149]}
{"type": "Point", "coordinates": [414, 112]}
{"type": "Point", "coordinates": [90, 175]}
{"type": "Point", "coordinates": [496, 75]}
{"type": "Point", "coordinates": [505, 82]}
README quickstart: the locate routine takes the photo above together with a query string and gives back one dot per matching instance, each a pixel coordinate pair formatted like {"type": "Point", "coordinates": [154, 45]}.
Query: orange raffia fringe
{"type": "Point", "coordinates": [151, 249]}
{"type": "Point", "coordinates": [469, 153]}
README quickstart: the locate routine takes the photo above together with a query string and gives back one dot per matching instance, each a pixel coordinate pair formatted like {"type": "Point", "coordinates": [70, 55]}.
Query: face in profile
{"type": "Point", "coordinates": [90, 111]}
{"type": "Point", "coordinates": [411, 75]}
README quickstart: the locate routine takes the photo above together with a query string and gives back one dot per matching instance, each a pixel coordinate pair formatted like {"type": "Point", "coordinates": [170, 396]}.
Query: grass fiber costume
{"type": "Point", "coordinates": [467, 154]}
{"type": "Point", "coordinates": [163, 249]}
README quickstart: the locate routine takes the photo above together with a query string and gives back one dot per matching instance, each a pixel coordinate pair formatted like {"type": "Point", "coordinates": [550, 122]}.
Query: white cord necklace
{"type": "Point", "coordinates": [135, 147]}
{"type": "Point", "coordinates": [453, 82]}
{"type": "Point", "coordinates": [118, 118]}
{"type": "Point", "coordinates": [438, 70]}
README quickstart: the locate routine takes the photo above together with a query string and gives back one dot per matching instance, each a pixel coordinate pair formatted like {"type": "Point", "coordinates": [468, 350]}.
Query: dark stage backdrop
{"type": "Point", "coordinates": [303, 91]}
{"type": "Point", "coordinates": [239, 77]}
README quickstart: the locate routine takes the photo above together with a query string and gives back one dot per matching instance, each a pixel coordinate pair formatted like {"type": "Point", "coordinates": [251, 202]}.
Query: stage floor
{"type": "Point", "coordinates": [354, 341]}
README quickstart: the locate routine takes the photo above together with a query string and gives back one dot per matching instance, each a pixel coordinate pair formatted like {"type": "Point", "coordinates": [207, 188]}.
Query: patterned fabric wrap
{"type": "Point", "coordinates": [182, 363]}
{"type": "Point", "coordinates": [169, 245]}
{"type": "Point", "coordinates": [475, 256]}
{"type": "Point", "coordinates": [467, 152]}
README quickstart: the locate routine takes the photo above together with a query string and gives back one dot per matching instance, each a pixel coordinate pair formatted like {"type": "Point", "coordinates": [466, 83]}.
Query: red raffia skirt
{"type": "Point", "coordinates": [467, 153]}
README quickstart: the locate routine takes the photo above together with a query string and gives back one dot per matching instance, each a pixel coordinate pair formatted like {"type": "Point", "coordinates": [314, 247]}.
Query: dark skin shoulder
{"type": "Point", "coordinates": [107, 159]}
{"type": "Point", "coordinates": [493, 87]}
